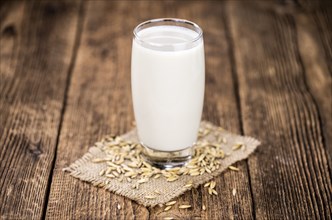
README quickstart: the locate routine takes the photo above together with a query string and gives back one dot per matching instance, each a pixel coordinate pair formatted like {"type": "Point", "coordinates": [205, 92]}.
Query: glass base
{"type": "Point", "coordinates": [167, 159]}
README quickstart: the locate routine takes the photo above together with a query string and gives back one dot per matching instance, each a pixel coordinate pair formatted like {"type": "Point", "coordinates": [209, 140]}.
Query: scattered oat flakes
{"type": "Point", "coordinates": [237, 146]}
{"type": "Point", "coordinates": [212, 184]}
{"type": "Point", "coordinates": [125, 161]}
{"type": "Point", "coordinates": [184, 206]}
{"type": "Point", "coordinates": [170, 203]}
{"type": "Point", "coordinates": [98, 160]}
{"type": "Point", "coordinates": [188, 185]}
{"type": "Point", "coordinates": [233, 168]}
{"type": "Point", "coordinates": [102, 172]}
{"type": "Point", "coordinates": [207, 184]}
{"type": "Point", "coordinates": [234, 192]}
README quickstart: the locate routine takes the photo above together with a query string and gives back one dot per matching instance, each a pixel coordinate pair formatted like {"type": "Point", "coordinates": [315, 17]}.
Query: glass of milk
{"type": "Point", "coordinates": [167, 79]}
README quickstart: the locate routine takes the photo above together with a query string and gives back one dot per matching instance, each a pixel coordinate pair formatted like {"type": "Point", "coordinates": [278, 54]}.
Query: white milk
{"type": "Point", "coordinates": [167, 87]}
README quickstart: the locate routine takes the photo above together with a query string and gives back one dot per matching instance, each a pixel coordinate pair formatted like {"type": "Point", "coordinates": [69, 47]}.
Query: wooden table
{"type": "Point", "coordinates": [65, 83]}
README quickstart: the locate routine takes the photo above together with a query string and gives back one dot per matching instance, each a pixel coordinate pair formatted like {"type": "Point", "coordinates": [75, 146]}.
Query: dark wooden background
{"type": "Point", "coordinates": [65, 83]}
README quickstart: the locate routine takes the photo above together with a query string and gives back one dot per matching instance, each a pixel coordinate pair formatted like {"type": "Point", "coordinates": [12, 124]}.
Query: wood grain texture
{"type": "Point", "coordinates": [35, 56]}
{"type": "Point", "coordinates": [65, 83]}
{"type": "Point", "coordinates": [311, 6]}
{"type": "Point", "coordinates": [98, 103]}
{"type": "Point", "coordinates": [322, 18]}
{"type": "Point", "coordinates": [313, 48]}
{"type": "Point", "coordinates": [289, 173]}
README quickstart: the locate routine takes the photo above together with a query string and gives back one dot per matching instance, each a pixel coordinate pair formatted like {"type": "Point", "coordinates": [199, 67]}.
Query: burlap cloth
{"type": "Point", "coordinates": [86, 170]}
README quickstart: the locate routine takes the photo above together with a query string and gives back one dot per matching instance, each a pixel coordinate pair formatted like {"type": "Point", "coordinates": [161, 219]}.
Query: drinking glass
{"type": "Point", "coordinates": [167, 79]}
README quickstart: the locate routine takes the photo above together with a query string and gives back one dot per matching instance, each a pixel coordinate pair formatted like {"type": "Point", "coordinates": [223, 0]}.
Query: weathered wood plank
{"type": "Point", "coordinates": [289, 173]}
{"type": "Point", "coordinates": [314, 44]}
{"type": "Point", "coordinates": [98, 103]}
{"type": "Point", "coordinates": [310, 6]}
{"type": "Point", "coordinates": [36, 42]}
{"type": "Point", "coordinates": [322, 18]}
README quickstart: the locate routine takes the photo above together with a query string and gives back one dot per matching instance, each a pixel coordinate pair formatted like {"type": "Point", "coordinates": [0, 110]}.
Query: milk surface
{"type": "Point", "coordinates": [167, 86]}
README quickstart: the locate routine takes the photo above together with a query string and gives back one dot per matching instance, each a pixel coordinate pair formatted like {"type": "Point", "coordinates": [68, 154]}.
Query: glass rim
{"type": "Point", "coordinates": [196, 28]}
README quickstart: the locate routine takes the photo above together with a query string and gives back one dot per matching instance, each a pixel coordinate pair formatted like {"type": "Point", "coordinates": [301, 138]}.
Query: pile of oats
{"type": "Point", "coordinates": [125, 161]}
{"type": "Point", "coordinates": [117, 164]}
